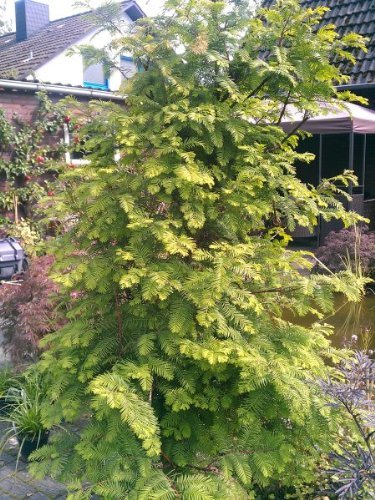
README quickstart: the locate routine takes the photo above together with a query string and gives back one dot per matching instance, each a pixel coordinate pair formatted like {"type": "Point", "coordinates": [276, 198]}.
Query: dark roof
{"type": "Point", "coordinates": [356, 16]}
{"type": "Point", "coordinates": [20, 59]}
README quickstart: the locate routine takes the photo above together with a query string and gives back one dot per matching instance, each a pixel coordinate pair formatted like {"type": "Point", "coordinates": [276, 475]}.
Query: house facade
{"type": "Point", "coordinates": [38, 56]}
{"type": "Point", "coordinates": [41, 50]}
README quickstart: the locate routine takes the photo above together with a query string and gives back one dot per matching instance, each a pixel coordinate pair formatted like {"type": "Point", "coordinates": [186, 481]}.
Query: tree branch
{"type": "Point", "coordinates": [119, 323]}
{"type": "Point", "coordinates": [286, 102]}
{"type": "Point", "coordinates": [274, 290]}
{"type": "Point", "coordinates": [255, 91]}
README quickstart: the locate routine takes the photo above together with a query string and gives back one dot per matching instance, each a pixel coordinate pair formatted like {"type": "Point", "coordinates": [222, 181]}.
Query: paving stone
{"type": "Point", "coordinates": [5, 471]}
{"type": "Point", "coordinates": [5, 496]}
{"type": "Point", "coordinates": [16, 467]}
{"type": "Point", "coordinates": [39, 496]}
{"type": "Point", "coordinates": [6, 458]}
{"type": "Point", "coordinates": [49, 487]}
{"type": "Point", "coordinates": [16, 483]}
{"type": "Point", "coordinates": [23, 475]}
{"type": "Point", "coordinates": [16, 487]}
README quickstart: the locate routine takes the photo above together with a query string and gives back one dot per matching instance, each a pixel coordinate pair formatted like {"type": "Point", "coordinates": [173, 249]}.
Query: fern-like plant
{"type": "Point", "coordinates": [176, 359]}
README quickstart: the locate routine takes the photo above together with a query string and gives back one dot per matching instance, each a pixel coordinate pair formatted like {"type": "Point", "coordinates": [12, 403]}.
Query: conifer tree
{"type": "Point", "coordinates": [185, 377]}
{"type": "Point", "coordinates": [5, 26]}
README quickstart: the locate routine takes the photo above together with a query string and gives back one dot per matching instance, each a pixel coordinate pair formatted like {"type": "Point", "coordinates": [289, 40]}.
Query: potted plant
{"type": "Point", "coordinates": [7, 380]}
{"type": "Point", "coordinates": [24, 421]}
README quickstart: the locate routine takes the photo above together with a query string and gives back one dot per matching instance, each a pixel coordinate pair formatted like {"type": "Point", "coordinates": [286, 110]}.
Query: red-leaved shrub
{"type": "Point", "coordinates": [28, 310]}
{"type": "Point", "coordinates": [346, 246]}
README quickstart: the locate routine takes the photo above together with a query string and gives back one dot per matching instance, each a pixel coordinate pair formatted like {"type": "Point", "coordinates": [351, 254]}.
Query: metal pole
{"type": "Point", "coordinates": [320, 157]}
{"type": "Point", "coordinates": [319, 180]}
{"type": "Point", "coordinates": [364, 163]}
{"type": "Point", "coordinates": [351, 162]}
{"type": "Point", "coordinates": [351, 167]}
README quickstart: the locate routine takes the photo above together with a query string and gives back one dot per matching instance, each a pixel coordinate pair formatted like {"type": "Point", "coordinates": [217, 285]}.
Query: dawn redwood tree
{"type": "Point", "coordinates": [177, 362]}
{"type": "Point", "coordinates": [5, 26]}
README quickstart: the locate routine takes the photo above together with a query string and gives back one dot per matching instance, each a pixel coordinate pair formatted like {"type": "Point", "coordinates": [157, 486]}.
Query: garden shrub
{"type": "Point", "coordinates": [349, 247]}
{"type": "Point", "coordinates": [28, 310]}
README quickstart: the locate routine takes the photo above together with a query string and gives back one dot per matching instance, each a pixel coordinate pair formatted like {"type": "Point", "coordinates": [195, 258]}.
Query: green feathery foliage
{"type": "Point", "coordinates": [177, 362]}
{"type": "Point", "coordinates": [5, 25]}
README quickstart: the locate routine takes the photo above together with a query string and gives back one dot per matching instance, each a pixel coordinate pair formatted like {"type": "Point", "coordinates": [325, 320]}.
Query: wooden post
{"type": "Point", "coordinates": [16, 209]}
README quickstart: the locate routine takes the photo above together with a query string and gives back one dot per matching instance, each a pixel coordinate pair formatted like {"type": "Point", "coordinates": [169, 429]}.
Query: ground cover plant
{"type": "Point", "coordinates": [23, 418]}
{"type": "Point", "coordinates": [176, 360]}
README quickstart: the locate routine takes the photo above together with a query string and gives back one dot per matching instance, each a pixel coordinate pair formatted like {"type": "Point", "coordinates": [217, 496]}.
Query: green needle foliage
{"type": "Point", "coordinates": [5, 25]}
{"type": "Point", "coordinates": [176, 362]}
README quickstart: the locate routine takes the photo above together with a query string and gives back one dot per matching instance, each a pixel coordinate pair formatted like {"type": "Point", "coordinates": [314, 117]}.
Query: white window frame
{"type": "Point", "coordinates": [81, 161]}
{"type": "Point", "coordinates": [68, 158]}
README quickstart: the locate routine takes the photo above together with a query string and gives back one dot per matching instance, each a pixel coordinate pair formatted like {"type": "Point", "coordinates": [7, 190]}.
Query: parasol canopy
{"type": "Point", "coordinates": [333, 120]}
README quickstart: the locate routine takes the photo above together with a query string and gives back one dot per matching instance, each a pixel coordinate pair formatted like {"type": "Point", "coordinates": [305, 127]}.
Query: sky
{"type": "Point", "coordinates": [64, 8]}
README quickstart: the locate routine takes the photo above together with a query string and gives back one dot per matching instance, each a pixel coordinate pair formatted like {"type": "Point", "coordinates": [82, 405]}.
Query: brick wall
{"type": "Point", "coordinates": [22, 104]}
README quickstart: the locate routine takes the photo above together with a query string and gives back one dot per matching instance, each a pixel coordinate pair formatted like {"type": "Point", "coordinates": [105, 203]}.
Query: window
{"type": "Point", "coordinates": [370, 167]}
{"type": "Point", "coordinates": [73, 157]}
{"type": "Point", "coordinates": [78, 156]}
{"type": "Point", "coordinates": [335, 157]}
{"type": "Point", "coordinates": [128, 67]}
{"type": "Point", "coordinates": [309, 172]}
{"type": "Point", "coordinates": [94, 77]}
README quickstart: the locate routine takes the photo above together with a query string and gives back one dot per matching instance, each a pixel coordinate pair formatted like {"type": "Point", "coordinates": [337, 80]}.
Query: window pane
{"type": "Point", "coordinates": [94, 74]}
{"type": "Point", "coordinates": [359, 141]}
{"type": "Point", "coordinates": [370, 167]}
{"type": "Point", "coordinates": [309, 172]}
{"type": "Point", "coordinates": [335, 157]}
{"type": "Point", "coordinates": [128, 68]}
